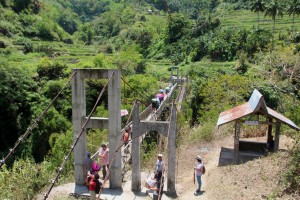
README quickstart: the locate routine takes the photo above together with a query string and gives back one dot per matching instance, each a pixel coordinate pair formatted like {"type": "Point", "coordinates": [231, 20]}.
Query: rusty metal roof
{"type": "Point", "coordinates": [256, 104]}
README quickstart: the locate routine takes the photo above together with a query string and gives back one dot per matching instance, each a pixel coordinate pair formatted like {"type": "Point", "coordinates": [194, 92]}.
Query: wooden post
{"type": "Point", "coordinates": [236, 142]}
{"type": "Point", "coordinates": [269, 129]}
{"type": "Point", "coordinates": [277, 134]}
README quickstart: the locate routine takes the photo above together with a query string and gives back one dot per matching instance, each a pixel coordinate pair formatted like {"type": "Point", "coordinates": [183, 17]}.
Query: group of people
{"type": "Point", "coordinates": [153, 183]}
{"type": "Point", "coordinates": [155, 102]}
{"type": "Point", "coordinates": [93, 168]}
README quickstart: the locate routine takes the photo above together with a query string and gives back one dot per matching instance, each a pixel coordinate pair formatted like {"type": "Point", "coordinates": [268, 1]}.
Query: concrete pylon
{"type": "Point", "coordinates": [168, 129]}
{"type": "Point", "coordinates": [112, 123]}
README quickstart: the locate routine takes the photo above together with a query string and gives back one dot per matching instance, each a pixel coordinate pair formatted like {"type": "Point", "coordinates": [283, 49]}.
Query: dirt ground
{"type": "Point", "coordinates": [256, 179]}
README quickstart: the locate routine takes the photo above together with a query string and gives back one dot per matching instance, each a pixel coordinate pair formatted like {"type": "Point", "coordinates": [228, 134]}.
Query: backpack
{"type": "Point", "coordinates": [203, 170]}
{"type": "Point", "coordinates": [98, 186]}
{"type": "Point", "coordinates": [95, 167]}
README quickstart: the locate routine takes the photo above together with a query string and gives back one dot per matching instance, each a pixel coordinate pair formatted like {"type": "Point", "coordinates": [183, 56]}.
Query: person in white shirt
{"type": "Point", "coordinates": [159, 167]}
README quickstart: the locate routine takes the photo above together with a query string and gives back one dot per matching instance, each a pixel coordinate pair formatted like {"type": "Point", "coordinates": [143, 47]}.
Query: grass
{"type": "Point", "coordinates": [214, 67]}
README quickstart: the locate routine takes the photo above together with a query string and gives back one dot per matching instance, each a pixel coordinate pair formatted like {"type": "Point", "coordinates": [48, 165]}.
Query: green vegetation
{"type": "Point", "coordinates": [227, 48]}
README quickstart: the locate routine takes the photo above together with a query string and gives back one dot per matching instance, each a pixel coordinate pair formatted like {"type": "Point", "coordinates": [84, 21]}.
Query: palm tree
{"type": "Point", "coordinates": [293, 9]}
{"type": "Point", "coordinates": [273, 10]}
{"type": "Point", "coordinates": [256, 7]}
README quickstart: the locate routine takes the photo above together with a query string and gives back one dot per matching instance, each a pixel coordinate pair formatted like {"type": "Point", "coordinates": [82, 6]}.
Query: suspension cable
{"type": "Point", "coordinates": [143, 95]}
{"type": "Point", "coordinates": [36, 121]}
{"type": "Point", "coordinates": [76, 141]}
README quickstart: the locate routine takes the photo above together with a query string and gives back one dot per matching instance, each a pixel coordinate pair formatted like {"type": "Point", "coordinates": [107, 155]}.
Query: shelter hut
{"type": "Point", "coordinates": [255, 108]}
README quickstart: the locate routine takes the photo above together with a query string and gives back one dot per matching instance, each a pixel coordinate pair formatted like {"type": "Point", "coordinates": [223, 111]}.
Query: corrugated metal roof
{"type": "Point", "coordinates": [282, 118]}
{"type": "Point", "coordinates": [255, 104]}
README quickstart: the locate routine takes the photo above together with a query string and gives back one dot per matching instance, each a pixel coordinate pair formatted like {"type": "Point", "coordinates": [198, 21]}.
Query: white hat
{"type": "Point", "coordinates": [198, 158]}
{"type": "Point", "coordinates": [159, 155]}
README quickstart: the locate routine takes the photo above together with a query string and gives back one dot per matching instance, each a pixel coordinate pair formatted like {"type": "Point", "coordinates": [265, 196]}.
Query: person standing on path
{"type": "Point", "coordinates": [104, 156]}
{"type": "Point", "coordinates": [199, 173]}
{"type": "Point", "coordinates": [159, 167]}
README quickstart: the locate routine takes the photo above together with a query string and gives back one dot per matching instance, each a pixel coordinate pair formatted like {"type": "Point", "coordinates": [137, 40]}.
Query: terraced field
{"type": "Point", "coordinates": [247, 19]}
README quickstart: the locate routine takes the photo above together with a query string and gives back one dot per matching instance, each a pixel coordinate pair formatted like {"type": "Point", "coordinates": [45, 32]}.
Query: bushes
{"type": "Point", "coordinates": [50, 71]}
{"type": "Point", "coordinates": [24, 180]}
{"type": "Point", "coordinates": [100, 61]}
{"type": "Point", "coordinates": [60, 146]}
{"type": "Point", "coordinates": [204, 131]}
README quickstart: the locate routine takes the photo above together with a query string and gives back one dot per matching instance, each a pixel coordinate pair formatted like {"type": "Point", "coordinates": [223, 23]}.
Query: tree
{"type": "Point", "coordinates": [15, 100]}
{"type": "Point", "coordinates": [273, 10]}
{"type": "Point", "coordinates": [177, 28]}
{"type": "Point", "coordinates": [256, 7]}
{"type": "Point", "coordinates": [33, 5]}
{"type": "Point", "coordinates": [68, 21]}
{"type": "Point", "coordinates": [213, 4]}
{"type": "Point", "coordinates": [129, 58]}
{"type": "Point", "coordinates": [293, 9]}
{"type": "Point", "coordinates": [49, 70]}
{"type": "Point", "coordinates": [19, 5]}
{"type": "Point", "coordinates": [86, 33]}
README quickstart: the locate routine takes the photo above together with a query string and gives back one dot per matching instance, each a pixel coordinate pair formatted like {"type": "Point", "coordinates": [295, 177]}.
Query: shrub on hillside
{"type": "Point", "coordinates": [60, 146]}
{"type": "Point", "coordinates": [204, 131]}
{"type": "Point", "coordinates": [6, 51]}
{"type": "Point", "coordinates": [100, 61]}
{"type": "Point", "coordinates": [24, 180]}
{"type": "Point", "coordinates": [51, 71]}
{"type": "Point", "coordinates": [32, 5]}
{"type": "Point", "coordinates": [28, 47]}
{"type": "Point", "coordinates": [296, 37]}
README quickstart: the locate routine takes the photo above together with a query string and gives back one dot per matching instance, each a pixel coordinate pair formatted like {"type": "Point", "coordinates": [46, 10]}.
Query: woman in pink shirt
{"type": "Point", "coordinates": [199, 173]}
{"type": "Point", "coordinates": [104, 156]}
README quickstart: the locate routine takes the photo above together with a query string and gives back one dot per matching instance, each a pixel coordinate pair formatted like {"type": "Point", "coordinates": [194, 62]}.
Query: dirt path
{"type": "Point", "coordinates": [186, 162]}
{"type": "Point", "coordinates": [256, 179]}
